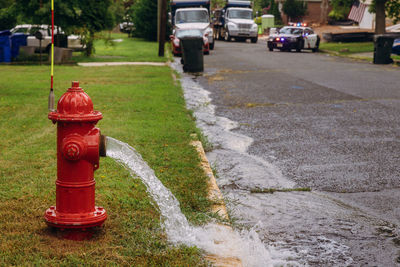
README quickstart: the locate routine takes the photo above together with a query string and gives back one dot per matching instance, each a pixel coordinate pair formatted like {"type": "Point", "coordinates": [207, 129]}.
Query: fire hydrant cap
{"type": "Point", "coordinates": [75, 105]}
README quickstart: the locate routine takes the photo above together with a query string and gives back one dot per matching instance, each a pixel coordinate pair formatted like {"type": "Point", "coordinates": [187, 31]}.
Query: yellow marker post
{"type": "Point", "coordinates": [51, 95]}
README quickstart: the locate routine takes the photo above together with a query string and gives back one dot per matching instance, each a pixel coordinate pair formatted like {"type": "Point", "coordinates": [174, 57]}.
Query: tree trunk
{"type": "Point", "coordinates": [380, 26]}
{"type": "Point", "coordinates": [89, 45]}
{"type": "Point", "coordinates": [324, 12]}
{"type": "Point", "coordinates": [58, 38]}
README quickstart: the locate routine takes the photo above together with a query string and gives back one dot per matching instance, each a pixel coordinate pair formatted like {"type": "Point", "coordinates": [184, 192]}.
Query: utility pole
{"type": "Point", "coordinates": [162, 26]}
{"type": "Point", "coordinates": [158, 19]}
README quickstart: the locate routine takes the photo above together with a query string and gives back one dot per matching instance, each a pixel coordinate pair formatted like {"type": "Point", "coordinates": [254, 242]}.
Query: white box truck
{"type": "Point", "coordinates": [193, 14]}
{"type": "Point", "coordinates": [236, 21]}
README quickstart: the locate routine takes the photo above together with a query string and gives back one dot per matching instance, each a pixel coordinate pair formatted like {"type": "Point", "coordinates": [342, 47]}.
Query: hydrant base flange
{"type": "Point", "coordinates": [75, 220]}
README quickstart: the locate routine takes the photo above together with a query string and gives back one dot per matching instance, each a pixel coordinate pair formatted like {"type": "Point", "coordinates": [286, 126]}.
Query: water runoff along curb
{"type": "Point", "coordinates": [214, 194]}
{"type": "Point", "coordinates": [217, 240]}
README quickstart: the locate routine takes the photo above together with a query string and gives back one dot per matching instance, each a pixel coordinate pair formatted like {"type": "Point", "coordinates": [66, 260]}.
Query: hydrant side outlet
{"type": "Point", "coordinates": [78, 142]}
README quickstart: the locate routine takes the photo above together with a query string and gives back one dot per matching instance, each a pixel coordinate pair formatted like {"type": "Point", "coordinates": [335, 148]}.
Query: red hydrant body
{"type": "Point", "coordinates": [78, 142]}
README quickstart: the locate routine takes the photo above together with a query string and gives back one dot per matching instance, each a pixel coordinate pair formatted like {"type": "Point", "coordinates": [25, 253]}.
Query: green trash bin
{"type": "Point", "coordinates": [383, 48]}
{"type": "Point", "coordinates": [192, 50]}
{"type": "Point", "coordinates": [267, 21]}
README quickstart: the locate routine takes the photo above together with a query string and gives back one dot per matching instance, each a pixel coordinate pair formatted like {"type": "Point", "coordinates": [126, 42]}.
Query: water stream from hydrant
{"type": "Point", "coordinates": [213, 238]}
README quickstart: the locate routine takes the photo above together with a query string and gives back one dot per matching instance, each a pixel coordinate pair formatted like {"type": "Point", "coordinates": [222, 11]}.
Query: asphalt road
{"type": "Point", "coordinates": [312, 121]}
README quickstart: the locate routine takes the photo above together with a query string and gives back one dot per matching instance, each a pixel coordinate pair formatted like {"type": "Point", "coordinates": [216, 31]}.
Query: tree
{"type": "Point", "coordinates": [94, 16]}
{"type": "Point", "coordinates": [8, 14]}
{"type": "Point", "coordinates": [265, 3]}
{"type": "Point", "coordinates": [294, 9]}
{"type": "Point", "coordinates": [268, 7]}
{"type": "Point", "coordinates": [340, 9]}
{"type": "Point", "coordinates": [217, 3]}
{"type": "Point", "coordinates": [144, 17]}
{"type": "Point", "coordinates": [324, 11]}
{"type": "Point", "coordinates": [118, 10]}
{"type": "Point", "coordinates": [393, 10]}
{"type": "Point", "coordinates": [274, 10]}
{"type": "Point", "coordinates": [381, 8]}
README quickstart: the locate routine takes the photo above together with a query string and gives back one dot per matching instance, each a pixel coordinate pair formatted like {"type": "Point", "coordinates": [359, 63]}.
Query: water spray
{"type": "Point", "coordinates": [51, 94]}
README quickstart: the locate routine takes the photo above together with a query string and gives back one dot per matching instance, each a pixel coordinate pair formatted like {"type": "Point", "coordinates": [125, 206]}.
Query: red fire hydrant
{"type": "Point", "coordinates": [78, 145]}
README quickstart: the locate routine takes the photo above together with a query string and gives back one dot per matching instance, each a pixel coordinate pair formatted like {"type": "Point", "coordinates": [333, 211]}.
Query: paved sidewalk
{"type": "Point", "coordinates": [362, 55]}
{"type": "Point", "coordinates": [101, 64]}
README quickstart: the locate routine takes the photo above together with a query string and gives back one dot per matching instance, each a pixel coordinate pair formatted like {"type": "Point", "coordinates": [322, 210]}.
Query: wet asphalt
{"type": "Point", "coordinates": [325, 123]}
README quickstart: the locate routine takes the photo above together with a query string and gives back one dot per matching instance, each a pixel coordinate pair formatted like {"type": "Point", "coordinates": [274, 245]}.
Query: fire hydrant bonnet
{"type": "Point", "coordinates": [75, 105]}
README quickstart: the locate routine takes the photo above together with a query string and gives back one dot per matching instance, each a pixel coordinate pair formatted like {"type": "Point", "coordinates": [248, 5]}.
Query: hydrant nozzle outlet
{"type": "Point", "coordinates": [103, 145]}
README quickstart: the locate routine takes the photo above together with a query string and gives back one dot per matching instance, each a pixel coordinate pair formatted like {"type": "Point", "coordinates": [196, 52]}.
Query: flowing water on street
{"type": "Point", "coordinates": [240, 172]}
{"type": "Point", "coordinates": [213, 239]}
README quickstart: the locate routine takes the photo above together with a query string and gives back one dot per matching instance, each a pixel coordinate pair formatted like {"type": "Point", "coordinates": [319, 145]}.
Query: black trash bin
{"type": "Point", "coordinates": [61, 40]}
{"type": "Point", "coordinates": [383, 48]}
{"type": "Point", "coordinates": [192, 51]}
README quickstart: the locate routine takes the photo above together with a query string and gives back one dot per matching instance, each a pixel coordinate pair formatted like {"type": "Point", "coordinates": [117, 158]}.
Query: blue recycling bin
{"type": "Point", "coordinates": [5, 46]}
{"type": "Point", "coordinates": [396, 47]}
{"type": "Point", "coordinates": [17, 40]}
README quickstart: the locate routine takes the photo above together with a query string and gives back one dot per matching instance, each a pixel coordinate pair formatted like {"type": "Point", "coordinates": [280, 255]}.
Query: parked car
{"type": "Point", "coordinates": [181, 33]}
{"type": "Point", "coordinates": [73, 41]}
{"type": "Point", "coordinates": [24, 28]}
{"type": "Point", "coordinates": [294, 37]}
{"type": "Point", "coordinates": [126, 27]}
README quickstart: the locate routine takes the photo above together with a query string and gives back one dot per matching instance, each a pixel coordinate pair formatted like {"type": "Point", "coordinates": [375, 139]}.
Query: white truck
{"type": "Point", "coordinates": [193, 14]}
{"type": "Point", "coordinates": [74, 41]}
{"type": "Point", "coordinates": [236, 21]}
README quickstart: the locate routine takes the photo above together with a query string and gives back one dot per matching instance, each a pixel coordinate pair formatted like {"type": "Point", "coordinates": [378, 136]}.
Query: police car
{"type": "Point", "coordinates": [294, 37]}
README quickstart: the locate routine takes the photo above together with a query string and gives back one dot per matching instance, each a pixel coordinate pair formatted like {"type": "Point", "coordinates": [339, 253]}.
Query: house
{"type": "Point", "coordinates": [360, 13]}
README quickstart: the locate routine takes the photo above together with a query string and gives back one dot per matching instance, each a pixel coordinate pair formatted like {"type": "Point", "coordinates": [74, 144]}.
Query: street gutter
{"type": "Point", "coordinates": [215, 195]}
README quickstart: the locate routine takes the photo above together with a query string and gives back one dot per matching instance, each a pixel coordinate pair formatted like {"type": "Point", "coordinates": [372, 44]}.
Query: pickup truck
{"type": "Point", "coordinates": [74, 41]}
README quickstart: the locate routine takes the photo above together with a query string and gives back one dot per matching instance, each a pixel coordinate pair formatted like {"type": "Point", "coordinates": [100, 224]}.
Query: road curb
{"type": "Point", "coordinates": [215, 195]}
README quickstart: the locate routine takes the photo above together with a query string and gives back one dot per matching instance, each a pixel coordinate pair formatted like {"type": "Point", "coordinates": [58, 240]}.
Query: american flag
{"type": "Point", "coordinates": [357, 11]}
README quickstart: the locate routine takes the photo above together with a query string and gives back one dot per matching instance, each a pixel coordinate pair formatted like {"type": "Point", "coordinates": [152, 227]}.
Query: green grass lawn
{"type": "Point", "coordinates": [352, 48]}
{"type": "Point", "coordinates": [348, 49]}
{"type": "Point", "coordinates": [121, 48]}
{"type": "Point", "coordinates": [141, 106]}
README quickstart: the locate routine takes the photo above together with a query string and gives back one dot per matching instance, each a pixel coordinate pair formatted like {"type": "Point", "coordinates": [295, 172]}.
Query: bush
{"type": "Point", "coordinates": [340, 9]}
{"type": "Point", "coordinates": [294, 9]}
{"type": "Point", "coordinates": [337, 15]}
{"type": "Point", "coordinates": [144, 17]}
